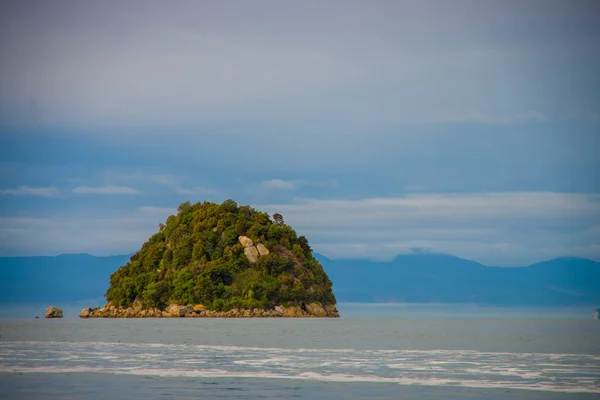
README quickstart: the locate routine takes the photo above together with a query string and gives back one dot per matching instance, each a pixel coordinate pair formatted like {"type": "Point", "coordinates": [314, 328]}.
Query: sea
{"type": "Point", "coordinates": [374, 351]}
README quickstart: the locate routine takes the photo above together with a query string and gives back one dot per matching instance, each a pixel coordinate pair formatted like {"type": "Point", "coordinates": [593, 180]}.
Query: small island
{"type": "Point", "coordinates": [220, 260]}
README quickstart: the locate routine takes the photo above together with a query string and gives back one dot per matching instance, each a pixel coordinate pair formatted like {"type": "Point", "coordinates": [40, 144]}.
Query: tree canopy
{"type": "Point", "coordinates": [196, 258]}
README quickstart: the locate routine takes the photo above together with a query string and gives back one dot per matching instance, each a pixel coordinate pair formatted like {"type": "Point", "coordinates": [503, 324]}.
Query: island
{"type": "Point", "coordinates": [220, 260]}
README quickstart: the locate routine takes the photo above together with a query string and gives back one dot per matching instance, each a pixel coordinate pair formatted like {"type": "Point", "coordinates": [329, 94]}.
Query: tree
{"type": "Point", "coordinates": [303, 242]}
{"type": "Point", "coordinates": [184, 206]}
{"type": "Point", "coordinates": [278, 218]}
{"type": "Point", "coordinates": [229, 205]}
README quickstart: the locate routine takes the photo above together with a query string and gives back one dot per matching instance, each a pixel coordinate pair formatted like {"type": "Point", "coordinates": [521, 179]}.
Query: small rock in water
{"type": "Point", "coordinates": [54, 312]}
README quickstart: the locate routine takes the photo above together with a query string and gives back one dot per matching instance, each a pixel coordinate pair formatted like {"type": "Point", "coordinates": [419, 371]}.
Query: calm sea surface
{"type": "Point", "coordinates": [371, 352]}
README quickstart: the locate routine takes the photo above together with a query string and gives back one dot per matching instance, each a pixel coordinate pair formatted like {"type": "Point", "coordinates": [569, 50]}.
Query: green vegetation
{"type": "Point", "coordinates": [196, 258]}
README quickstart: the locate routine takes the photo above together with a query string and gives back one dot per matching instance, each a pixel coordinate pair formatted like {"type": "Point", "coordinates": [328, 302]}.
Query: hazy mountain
{"type": "Point", "coordinates": [447, 279]}
{"type": "Point", "coordinates": [407, 278]}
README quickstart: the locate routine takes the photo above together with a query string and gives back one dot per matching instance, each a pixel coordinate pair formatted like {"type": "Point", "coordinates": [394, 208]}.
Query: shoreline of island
{"type": "Point", "coordinates": [311, 310]}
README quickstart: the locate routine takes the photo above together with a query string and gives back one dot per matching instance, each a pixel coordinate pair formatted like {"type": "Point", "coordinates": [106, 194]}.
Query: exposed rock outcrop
{"type": "Point", "coordinates": [85, 313]}
{"type": "Point", "coordinates": [54, 312]}
{"type": "Point", "coordinates": [262, 250]}
{"type": "Point", "coordinates": [179, 311]}
{"type": "Point", "coordinates": [246, 241]}
{"type": "Point", "coordinates": [251, 254]}
{"type": "Point", "coordinates": [251, 251]}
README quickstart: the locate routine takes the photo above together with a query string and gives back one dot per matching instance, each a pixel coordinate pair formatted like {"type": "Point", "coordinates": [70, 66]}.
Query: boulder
{"type": "Point", "coordinates": [332, 311]}
{"type": "Point", "coordinates": [85, 313]}
{"type": "Point", "coordinates": [175, 310]}
{"type": "Point", "coordinates": [199, 307]}
{"type": "Point", "coordinates": [316, 309]}
{"type": "Point", "coordinates": [138, 305]}
{"type": "Point", "coordinates": [246, 241]}
{"type": "Point", "coordinates": [279, 310]}
{"type": "Point", "coordinates": [262, 250]}
{"type": "Point", "coordinates": [294, 311]}
{"type": "Point", "coordinates": [54, 312]}
{"type": "Point", "coordinates": [251, 254]}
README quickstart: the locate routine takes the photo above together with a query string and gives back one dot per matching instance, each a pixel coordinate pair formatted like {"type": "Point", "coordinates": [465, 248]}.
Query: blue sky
{"type": "Point", "coordinates": [375, 128]}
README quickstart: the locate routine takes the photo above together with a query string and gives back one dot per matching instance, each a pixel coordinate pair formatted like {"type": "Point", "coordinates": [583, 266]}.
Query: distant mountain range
{"type": "Point", "coordinates": [439, 278]}
{"type": "Point", "coordinates": [411, 278]}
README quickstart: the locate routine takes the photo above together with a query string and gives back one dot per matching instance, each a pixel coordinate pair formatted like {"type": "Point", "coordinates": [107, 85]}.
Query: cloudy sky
{"type": "Point", "coordinates": [374, 127]}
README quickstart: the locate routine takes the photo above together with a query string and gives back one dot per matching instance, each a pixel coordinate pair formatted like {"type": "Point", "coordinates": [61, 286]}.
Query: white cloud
{"type": "Point", "coordinates": [280, 184]}
{"type": "Point", "coordinates": [99, 234]}
{"type": "Point", "coordinates": [31, 191]}
{"type": "Point", "coordinates": [165, 179]}
{"type": "Point", "coordinates": [172, 182]}
{"type": "Point", "coordinates": [515, 228]}
{"type": "Point", "coordinates": [498, 228]}
{"type": "Point", "coordinates": [195, 191]}
{"type": "Point", "coordinates": [260, 63]}
{"type": "Point", "coordinates": [492, 118]}
{"type": "Point", "coordinates": [105, 190]}
{"type": "Point", "coordinates": [295, 184]}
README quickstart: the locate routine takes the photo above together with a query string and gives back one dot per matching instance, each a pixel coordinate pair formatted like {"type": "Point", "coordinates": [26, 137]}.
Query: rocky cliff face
{"type": "Point", "coordinates": [198, 311]}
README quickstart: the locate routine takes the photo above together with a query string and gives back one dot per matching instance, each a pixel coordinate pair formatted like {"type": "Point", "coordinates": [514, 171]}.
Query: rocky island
{"type": "Point", "coordinates": [220, 260]}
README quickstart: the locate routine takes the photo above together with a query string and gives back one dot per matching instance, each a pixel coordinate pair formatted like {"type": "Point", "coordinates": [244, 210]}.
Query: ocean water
{"type": "Point", "coordinates": [374, 352]}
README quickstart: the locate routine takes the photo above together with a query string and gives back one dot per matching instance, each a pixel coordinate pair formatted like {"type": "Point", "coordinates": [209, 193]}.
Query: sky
{"type": "Point", "coordinates": [374, 127]}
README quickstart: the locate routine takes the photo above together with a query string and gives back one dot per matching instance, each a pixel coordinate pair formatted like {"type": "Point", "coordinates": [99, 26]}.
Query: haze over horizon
{"type": "Point", "coordinates": [468, 128]}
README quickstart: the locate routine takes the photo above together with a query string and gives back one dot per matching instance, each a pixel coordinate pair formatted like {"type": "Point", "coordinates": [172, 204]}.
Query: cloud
{"type": "Point", "coordinates": [513, 228]}
{"type": "Point", "coordinates": [493, 118]}
{"type": "Point", "coordinates": [280, 184]}
{"type": "Point", "coordinates": [260, 63]}
{"type": "Point", "coordinates": [295, 184]}
{"type": "Point", "coordinates": [105, 190]}
{"type": "Point", "coordinates": [31, 191]}
{"type": "Point", "coordinates": [98, 233]}
{"type": "Point", "coordinates": [498, 228]}
{"type": "Point", "coordinates": [172, 182]}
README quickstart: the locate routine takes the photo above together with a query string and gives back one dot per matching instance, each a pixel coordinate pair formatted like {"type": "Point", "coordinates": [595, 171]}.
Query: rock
{"type": "Point", "coordinates": [85, 313]}
{"type": "Point", "coordinates": [199, 307]}
{"type": "Point", "coordinates": [138, 305]}
{"type": "Point", "coordinates": [262, 250]}
{"type": "Point", "coordinates": [294, 311]}
{"type": "Point", "coordinates": [200, 311]}
{"type": "Point", "coordinates": [251, 254]}
{"type": "Point", "coordinates": [175, 310]}
{"type": "Point", "coordinates": [332, 311]}
{"type": "Point", "coordinates": [246, 241]}
{"type": "Point", "coordinates": [54, 312]}
{"type": "Point", "coordinates": [316, 309]}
